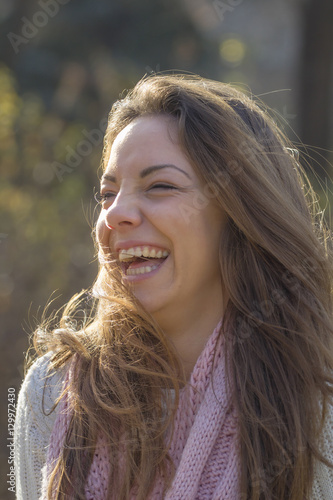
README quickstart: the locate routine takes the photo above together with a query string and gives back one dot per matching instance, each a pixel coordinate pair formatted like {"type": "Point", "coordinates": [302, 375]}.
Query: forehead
{"type": "Point", "coordinates": [146, 141]}
{"type": "Point", "coordinates": [147, 129]}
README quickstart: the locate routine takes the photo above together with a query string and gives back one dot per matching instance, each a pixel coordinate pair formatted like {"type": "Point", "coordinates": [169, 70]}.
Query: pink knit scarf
{"type": "Point", "coordinates": [204, 446]}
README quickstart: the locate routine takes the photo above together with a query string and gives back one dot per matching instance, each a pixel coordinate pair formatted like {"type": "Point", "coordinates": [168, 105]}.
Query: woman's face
{"type": "Point", "coordinates": [155, 221]}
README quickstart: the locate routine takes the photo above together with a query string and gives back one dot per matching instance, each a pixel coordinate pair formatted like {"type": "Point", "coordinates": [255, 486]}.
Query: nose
{"type": "Point", "coordinates": [124, 212]}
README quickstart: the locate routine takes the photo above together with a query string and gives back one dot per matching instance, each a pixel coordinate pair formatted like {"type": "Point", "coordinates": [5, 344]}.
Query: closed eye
{"type": "Point", "coordinates": [162, 186]}
{"type": "Point", "coordinates": [102, 197]}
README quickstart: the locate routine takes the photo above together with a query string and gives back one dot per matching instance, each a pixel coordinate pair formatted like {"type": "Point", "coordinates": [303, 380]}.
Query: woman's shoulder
{"type": "Point", "coordinates": [35, 417]}
{"type": "Point", "coordinates": [41, 387]}
{"type": "Point", "coordinates": [323, 477]}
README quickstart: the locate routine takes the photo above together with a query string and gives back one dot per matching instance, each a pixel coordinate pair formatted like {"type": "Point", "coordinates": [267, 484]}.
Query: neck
{"type": "Point", "coordinates": [189, 333]}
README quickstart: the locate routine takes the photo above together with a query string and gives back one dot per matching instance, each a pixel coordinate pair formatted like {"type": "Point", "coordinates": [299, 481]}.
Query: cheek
{"type": "Point", "coordinates": [102, 232]}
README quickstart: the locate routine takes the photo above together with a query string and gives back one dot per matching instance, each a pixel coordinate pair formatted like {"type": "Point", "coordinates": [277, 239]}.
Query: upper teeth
{"type": "Point", "coordinates": [129, 253]}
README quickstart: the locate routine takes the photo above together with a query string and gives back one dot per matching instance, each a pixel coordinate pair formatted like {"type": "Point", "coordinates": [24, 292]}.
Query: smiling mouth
{"type": "Point", "coordinates": [141, 260]}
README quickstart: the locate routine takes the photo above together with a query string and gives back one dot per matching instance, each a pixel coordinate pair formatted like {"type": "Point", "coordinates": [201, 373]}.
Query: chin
{"type": "Point", "coordinates": [152, 307]}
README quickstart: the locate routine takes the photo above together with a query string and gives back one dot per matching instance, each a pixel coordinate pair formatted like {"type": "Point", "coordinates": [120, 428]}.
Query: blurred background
{"type": "Point", "coordinates": [63, 63]}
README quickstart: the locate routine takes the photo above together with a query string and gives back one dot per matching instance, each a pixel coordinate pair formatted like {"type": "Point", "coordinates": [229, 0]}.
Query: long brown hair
{"type": "Point", "coordinates": [276, 268]}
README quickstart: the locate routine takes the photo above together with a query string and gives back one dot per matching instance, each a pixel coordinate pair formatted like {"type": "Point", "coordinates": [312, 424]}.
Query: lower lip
{"type": "Point", "coordinates": [140, 277]}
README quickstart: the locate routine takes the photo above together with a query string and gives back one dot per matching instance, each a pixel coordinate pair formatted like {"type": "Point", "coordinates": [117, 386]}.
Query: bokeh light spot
{"type": "Point", "coordinates": [232, 50]}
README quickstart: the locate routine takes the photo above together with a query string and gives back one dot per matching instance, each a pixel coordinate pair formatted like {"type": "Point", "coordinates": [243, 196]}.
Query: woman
{"type": "Point", "coordinates": [204, 369]}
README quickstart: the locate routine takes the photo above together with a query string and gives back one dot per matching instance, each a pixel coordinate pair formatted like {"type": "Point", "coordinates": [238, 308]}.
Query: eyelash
{"type": "Point", "coordinates": [100, 198]}
{"type": "Point", "coordinates": [163, 186]}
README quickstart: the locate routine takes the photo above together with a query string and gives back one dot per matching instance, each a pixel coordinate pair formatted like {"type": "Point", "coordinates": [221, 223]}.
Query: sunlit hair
{"type": "Point", "coordinates": [275, 266]}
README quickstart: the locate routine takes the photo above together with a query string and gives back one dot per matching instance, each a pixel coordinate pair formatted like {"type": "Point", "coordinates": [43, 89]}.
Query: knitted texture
{"type": "Point", "coordinates": [33, 425]}
{"type": "Point", "coordinates": [204, 445]}
{"type": "Point", "coordinates": [33, 428]}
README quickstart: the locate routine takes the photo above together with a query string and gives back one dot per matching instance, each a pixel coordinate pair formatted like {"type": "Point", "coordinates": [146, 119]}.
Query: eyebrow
{"type": "Point", "coordinates": [147, 171]}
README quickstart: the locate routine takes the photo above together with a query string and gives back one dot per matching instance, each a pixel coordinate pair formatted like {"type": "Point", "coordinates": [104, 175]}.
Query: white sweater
{"type": "Point", "coordinates": [33, 429]}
